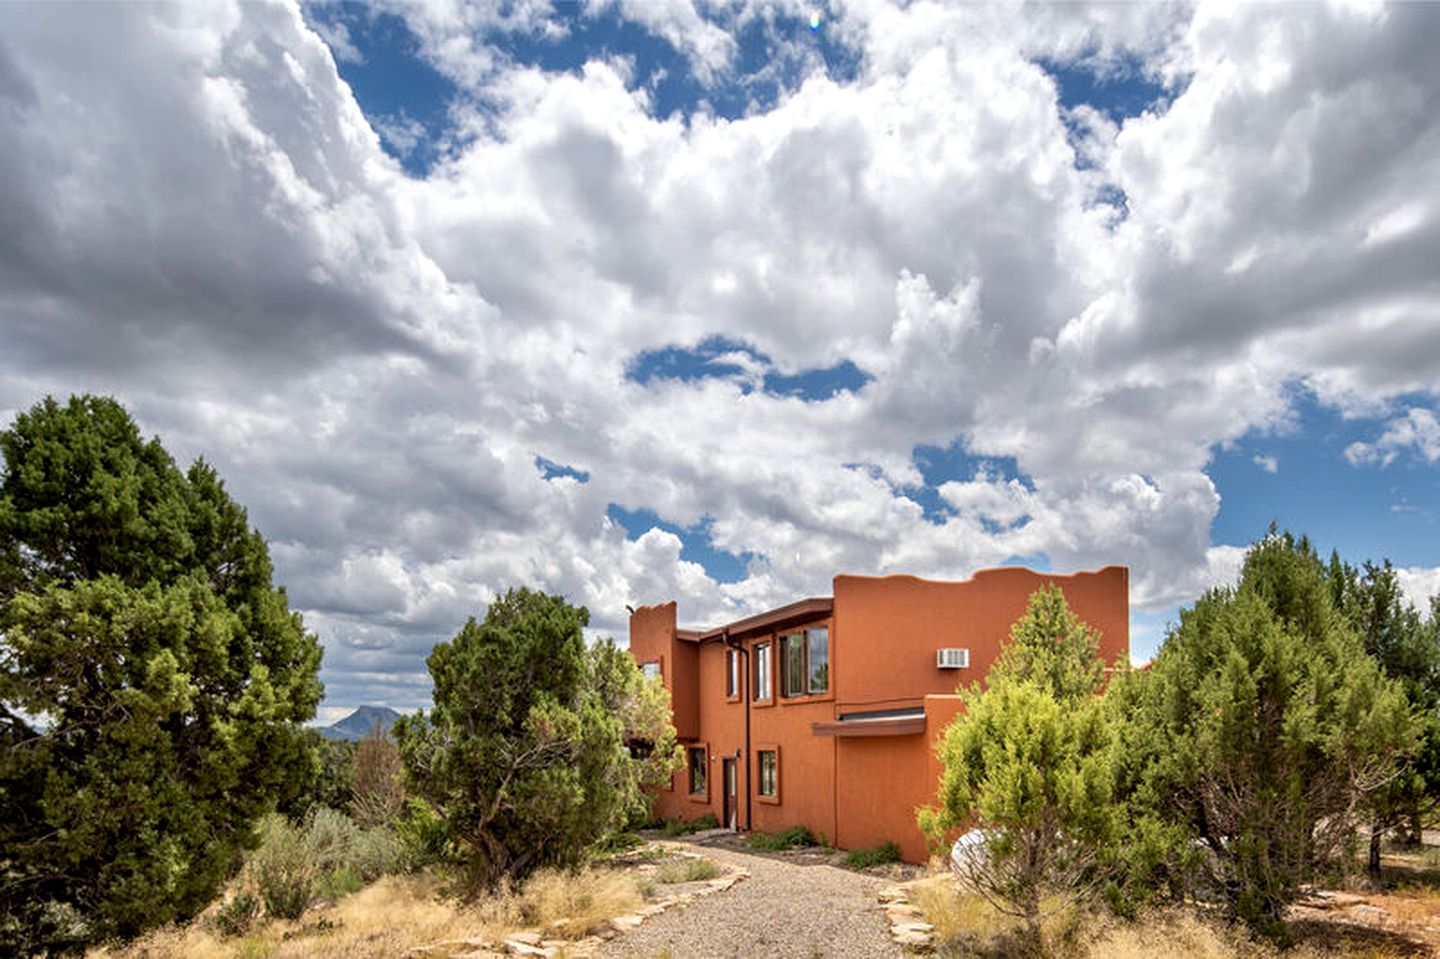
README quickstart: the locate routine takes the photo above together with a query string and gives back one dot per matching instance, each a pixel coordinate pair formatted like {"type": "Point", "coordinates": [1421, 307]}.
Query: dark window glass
{"type": "Point", "coordinates": [805, 663]}
{"type": "Point", "coordinates": [769, 769]}
{"type": "Point", "coordinates": [792, 649]}
{"type": "Point", "coordinates": [697, 770]}
{"type": "Point", "coordinates": [818, 642]}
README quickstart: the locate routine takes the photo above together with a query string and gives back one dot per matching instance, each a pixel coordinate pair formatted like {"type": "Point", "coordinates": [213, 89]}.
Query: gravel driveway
{"type": "Point", "coordinates": [785, 910]}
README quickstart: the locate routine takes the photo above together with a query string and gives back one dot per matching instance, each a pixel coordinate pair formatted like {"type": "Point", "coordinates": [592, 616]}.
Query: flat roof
{"type": "Point", "coordinates": [816, 607]}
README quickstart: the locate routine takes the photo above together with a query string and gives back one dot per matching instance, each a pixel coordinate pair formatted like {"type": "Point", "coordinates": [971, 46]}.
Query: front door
{"type": "Point", "coordinates": [732, 815]}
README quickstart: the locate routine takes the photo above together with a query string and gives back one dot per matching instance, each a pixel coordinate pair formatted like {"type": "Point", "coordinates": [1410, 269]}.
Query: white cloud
{"type": "Point", "coordinates": [1267, 463]}
{"type": "Point", "coordinates": [203, 223]}
{"type": "Point", "coordinates": [1418, 429]}
{"type": "Point", "coordinates": [1420, 585]}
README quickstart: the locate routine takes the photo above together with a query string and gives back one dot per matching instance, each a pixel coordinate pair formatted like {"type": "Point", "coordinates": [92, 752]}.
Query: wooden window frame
{"type": "Point", "coordinates": [759, 751]}
{"type": "Point", "coordinates": [704, 749]}
{"type": "Point", "coordinates": [785, 671]}
{"type": "Point", "coordinates": [764, 653]}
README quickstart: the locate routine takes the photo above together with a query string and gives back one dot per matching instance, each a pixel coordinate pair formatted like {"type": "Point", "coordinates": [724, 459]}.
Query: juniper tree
{"type": "Point", "coordinates": [152, 680]}
{"type": "Point", "coordinates": [524, 754]}
{"type": "Point", "coordinates": [1260, 732]}
{"type": "Point", "coordinates": [1407, 649]}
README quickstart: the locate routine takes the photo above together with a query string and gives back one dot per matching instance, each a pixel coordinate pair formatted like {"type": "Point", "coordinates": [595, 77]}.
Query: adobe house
{"type": "Point", "coordinates": [824, 713]}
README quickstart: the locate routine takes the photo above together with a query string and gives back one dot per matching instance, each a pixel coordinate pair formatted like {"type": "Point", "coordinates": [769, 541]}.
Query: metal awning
{"type": "Point", "coordinates": [890, 722]}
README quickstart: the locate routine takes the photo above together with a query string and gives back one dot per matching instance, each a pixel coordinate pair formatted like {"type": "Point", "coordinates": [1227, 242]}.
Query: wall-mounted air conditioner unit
{"type": "Point", "coordinates": [952, 659]}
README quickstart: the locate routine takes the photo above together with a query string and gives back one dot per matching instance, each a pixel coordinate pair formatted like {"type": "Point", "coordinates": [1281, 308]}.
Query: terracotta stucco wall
{"type": "Point", "coordinates": [653, 639]}
{"type": "Point", "coordinates": [857, 791]}
{"type": "Point", "coordinates": [890, 627]}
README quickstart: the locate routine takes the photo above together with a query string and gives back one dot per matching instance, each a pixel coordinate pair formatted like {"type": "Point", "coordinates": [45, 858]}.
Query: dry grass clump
{"type": "Point", "coordinates": [400, 914]}
{"type": "Point", "coordinates": [386, 918]}
{"type": "Point", "coordinates": [1182, 932]}
{"type": "Point", "coordinates": [1168, 933]}
{"type": "Point", "coordinates": [955, 914]}
{"type": "Point", "coordinates": [573, 905]}
{"type": "Point", "coordinates": [687, 870]}
{"type": "Point", "coordinates": [966, 925]}
{"type": "Point", "coordinates": [1413, 902]}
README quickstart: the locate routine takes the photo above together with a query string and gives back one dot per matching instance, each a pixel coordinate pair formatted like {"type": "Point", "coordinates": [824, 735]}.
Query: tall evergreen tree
{"type": "Point", "coordinates": [1261, 730]}
{"type": "Point", "coordinates": [1408, 650]}
{"type": "Point", "coordinates": [152, 680]}
{"type": "Point", "coordinates": [524, 755]}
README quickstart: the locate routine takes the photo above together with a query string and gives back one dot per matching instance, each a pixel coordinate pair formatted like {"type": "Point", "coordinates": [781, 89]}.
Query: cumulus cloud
{"type": "Point", "coordinates": [202, 221]}
{"type": "Point", "coordinates": [1421, 585]}
{"type": "Point", "coordinates": [1417, 430]}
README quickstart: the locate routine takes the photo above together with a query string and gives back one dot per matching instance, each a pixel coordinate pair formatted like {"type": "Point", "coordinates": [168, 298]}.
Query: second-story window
{"type": "Point", "coordinates": [651, 670]}
{"type": "Point", "coordinates": [732, 672]}
{"type": "Point", "coordinates": [805, 662]}
{"type": "Point", "coordinates": [762, 671]}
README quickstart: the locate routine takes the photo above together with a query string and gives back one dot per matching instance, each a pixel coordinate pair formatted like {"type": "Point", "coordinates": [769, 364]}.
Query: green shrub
{"type": "Point", "coordinates": [283, 868]}
{"type": "Point", "coordinates": [864, 858]}
{"type": "Point", "coordinates": [617, 843]}
{"type": "Point", "coordinates": [339, 883]}
{"type": "Point", "coordinates": [378, 852]}
{"type": "Point", "coordinates": [237, 914]}
{"type": "Point", "coordinates": [684, 827]}
{"type": "Point", "coordinates": [334, 840]}
{"type": "Point", "coordinates": [793, 838]}
{"type": "Point", "coordinates": [422, 835]}
{"type": "Point", "coordinates": [331, 837]}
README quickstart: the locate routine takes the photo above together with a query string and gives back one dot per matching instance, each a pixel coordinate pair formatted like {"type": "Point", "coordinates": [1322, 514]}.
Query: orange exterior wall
{"type": "Point", "coordinates": [884, 631]}
{"type": "Point", "coordinates": [906, 771]}
{"type": "Point", "coordinates": [892, 626]}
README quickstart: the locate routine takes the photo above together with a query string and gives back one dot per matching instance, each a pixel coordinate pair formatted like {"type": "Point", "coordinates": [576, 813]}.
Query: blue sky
{"type": "Point", "coordinates": [637, 301]}
{"type": "Point", "coordinates": [1363, 512]}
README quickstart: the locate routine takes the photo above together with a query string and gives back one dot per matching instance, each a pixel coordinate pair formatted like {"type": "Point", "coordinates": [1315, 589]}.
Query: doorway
{"type": "Point", "coordinates": [732, 813]}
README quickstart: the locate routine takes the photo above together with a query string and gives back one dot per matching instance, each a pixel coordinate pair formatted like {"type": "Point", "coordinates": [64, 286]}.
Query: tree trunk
{"type": "Point", "coordinates": [1377, 829]}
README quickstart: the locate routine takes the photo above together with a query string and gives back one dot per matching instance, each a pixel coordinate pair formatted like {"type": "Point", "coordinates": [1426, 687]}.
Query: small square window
{"type": "Point", "coordinates": [650, 670]}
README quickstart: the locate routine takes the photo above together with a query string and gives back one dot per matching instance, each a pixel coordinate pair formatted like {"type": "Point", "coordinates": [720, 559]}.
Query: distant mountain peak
{"type": "Point", "coordinates": [358, 724]}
